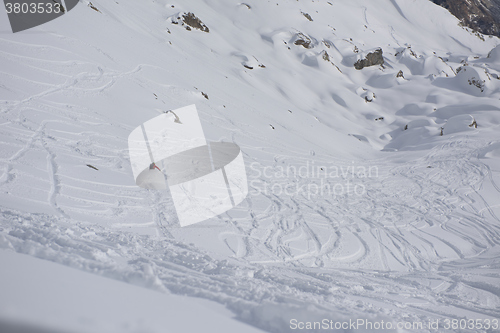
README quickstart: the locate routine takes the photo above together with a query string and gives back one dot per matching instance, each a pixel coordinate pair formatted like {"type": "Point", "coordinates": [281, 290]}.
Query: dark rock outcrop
{"type": "Point", "coordinates": [480, 15]}
{"type": "Point", "coordinates": [371, 59]}
{"type": "Point", "coordinates": [303, 40]}
{"type": "Point", "coordinates": [307, 16]}
{"type": "Point", "coordinates": [190, 21]}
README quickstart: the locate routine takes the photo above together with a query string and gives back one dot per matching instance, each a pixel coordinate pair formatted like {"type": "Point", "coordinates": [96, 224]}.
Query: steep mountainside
{"type": "Point", "coordinates": [480, 15]}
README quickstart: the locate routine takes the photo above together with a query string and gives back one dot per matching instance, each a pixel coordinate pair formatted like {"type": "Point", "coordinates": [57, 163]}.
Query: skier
{"type": "Point", "coordinates": [153, 166]}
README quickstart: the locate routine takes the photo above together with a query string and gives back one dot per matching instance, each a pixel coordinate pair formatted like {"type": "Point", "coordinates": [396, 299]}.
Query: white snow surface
{"type": "Point", "coordinates": [84, 302]}
{"type": "Point", "coordinates": [410, 233]}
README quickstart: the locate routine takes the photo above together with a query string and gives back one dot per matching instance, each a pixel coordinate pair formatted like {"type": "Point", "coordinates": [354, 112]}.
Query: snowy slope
{"type": "Point", "coordinates": [62, 299]}
{"type": "Point", "coordinates": [414, 240]}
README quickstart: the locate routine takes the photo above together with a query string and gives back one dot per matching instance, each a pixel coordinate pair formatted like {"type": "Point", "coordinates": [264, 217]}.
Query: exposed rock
{"type": "Point", "coordinates": [369, 96]}
{"type": "Point", "coordinates": [477, 82]}
{"type": "Point", "coordinates": [407, 50]}
{"type": "Point", "coordinates": [480, 15]}
{"type": "Point", "coordinates": [307, 16]}
{"type": "Point", "coordinates": [327, 43]}
{"type": "Point", "coordinates": [249, 62]}
{"type": "Point", "coordinates": [190, 21]}
{"type": "Point", "coordinates": [326, 57]}
{"type": "Point", "coordinates": [400, 74]}
{"type": "Point", "coordinates": [371, 59]}
{"type": "Point", "coordinates": [91, 5]}
{"type": "Point", "coordinates": [303, 40]}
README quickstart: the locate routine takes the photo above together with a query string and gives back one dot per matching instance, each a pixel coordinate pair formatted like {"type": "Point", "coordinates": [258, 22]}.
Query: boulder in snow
{"type": "Point", "coordinates": [371, 59]}
{"type": "Point", "coordinates": [303, 40]}
{"type": "Point", "coordinates": [189, 21]}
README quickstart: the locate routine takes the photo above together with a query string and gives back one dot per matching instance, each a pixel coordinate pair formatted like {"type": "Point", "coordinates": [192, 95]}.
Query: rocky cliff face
{"type": "Point", "coordinates": [480, 15]}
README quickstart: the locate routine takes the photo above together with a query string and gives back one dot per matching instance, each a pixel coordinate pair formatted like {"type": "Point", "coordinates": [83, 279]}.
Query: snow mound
{"type": "Point", "coordinates": [461, 123]}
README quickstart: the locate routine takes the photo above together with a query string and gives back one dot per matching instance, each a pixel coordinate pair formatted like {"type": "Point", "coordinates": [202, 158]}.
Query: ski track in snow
{"type": "Point", "coordinates": [421, 243]}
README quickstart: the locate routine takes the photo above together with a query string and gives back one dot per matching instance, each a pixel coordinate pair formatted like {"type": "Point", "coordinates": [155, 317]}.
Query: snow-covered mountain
{"type": "Point", "coordinates": [370, 133]}
{"type": "Point", "coordinates": [480, 15]}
